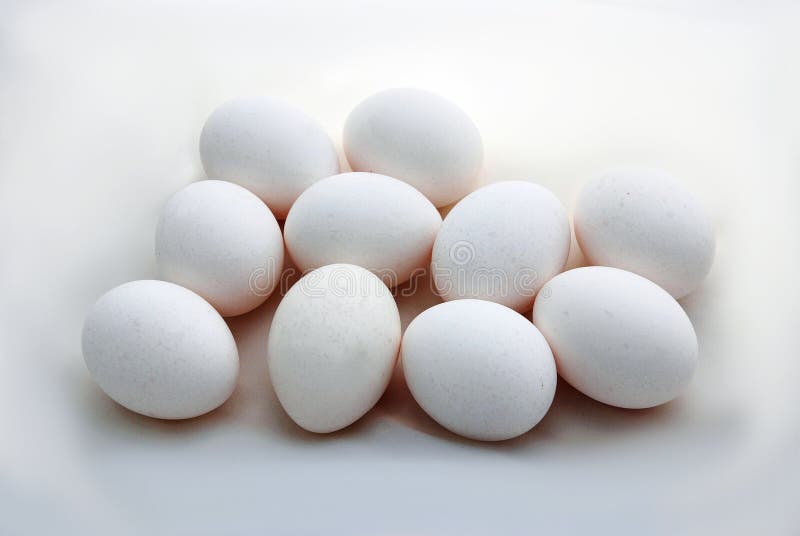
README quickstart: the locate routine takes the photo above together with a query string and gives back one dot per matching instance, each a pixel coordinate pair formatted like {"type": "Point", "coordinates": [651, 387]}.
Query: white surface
{"type": "Point", "coordinates": [479, 369]}
{"type": "Point", "coordinates": [100, 113]}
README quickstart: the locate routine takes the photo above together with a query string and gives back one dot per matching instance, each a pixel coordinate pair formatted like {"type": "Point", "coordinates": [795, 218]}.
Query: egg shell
{"type": "Point", "coordinates": [617, 337]}
{"type": "Point", "coordinates": [501, 243]}
{"type": "Point", "coordinates": [269, 146]}
{"type": "Point", "coordinates": [160, 350]}
{"type": "Point", "coordinates": [332, 346]}
{"type": "Point", "coordinates": [479, 369]}
{"type": "Point", "coordinates": [222, 242]}
{"type": "Point", "coordinates": [366, 219]}
{"type": "Point", "coordinates": [644, 221]}
{"type": "Point", "coordinates": [418, 137]}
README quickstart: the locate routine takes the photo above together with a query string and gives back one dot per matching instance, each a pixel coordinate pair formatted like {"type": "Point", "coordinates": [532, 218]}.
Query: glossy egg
{"type": "Point", "coordinates": [269, 146]}
{"type": "Point", "coordinates": [418, 137]}
{"type": "Point", "coordinates": [366, 219]}
{"type": "Point", "coordinates": [617, 337]}
{"type": "Point", "coordinates": [646, 222]}
{"type": "Point", "coordinates": [479, 369]}
{"type": "Point", "coordinates": [332, 346]}
{"type": "Point", "coordinates": [501, 243]}
{"type": "Point", "coordinates": [222, 242]}
{"type": "Point", "coordinates": [160, 350]}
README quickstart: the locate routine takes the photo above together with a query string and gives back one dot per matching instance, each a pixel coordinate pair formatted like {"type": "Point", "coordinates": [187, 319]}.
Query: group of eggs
{"type": "Point", "coordinates": [613, 330]}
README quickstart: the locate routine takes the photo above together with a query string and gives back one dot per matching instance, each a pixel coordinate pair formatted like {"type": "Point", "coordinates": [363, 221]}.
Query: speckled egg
{"type": "Point", "coordinates": [418, 137]}
{"type": "Point", "coordinates": [617, 337]}
{"type": "Point", "coordinates": [269, 146]}
{"type": "Point", "coordinates": [160, 350]}
{"type": "Point", "coordinates": [222, 242]}
{"type": "Point", "coordinates": [332, 346]}
{"type": "Point", "coordinates": [366, 219]}
{"type": "Point", "coordinates": [501, 243]}
{"type": "Point", "coordinates": [479, 369]}
{"type": "Point", "coordinates": [644, 221]}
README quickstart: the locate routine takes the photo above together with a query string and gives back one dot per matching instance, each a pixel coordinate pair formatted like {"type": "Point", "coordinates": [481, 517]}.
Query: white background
{"type": "Point", "coordinates": [100, 112]}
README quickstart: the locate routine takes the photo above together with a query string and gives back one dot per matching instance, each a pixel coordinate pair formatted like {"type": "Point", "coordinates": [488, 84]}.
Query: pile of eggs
{"type": "Point", "coordinates": [475, 363]}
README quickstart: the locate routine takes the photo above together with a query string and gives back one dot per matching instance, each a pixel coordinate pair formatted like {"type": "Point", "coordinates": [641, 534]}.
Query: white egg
{"type": "Point", "coordinates": [332, 346]}
{"type": "Point", "coordinates": [617, 337]}
{"type": "Point", "coordinates": [479, 369]}
{"type": "Point", "coordinates": [160, 350]}
{"type": "Point", "coordinates": [268, 146]}
{"type": "Point", "coordinates": [222, 242]}
{"type": "Point", "coordinates": [501, 243]}
{"type": "Point", "coordinates": [366, 219]}
{"type": "Point", "coordinates": [644, 221]}
{"type": "Point", "coordinates": [418, 137]}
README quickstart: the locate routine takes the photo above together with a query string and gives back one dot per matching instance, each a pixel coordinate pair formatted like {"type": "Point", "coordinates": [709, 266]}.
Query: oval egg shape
{"type": "Point", "coordinates": [501, 243]}
{"type": "Point", "coordinates": [479, 369]}
{"type": "Point", "coordinates": [269, 146]}
{"type": "Point", "coordinates": [332, 346]}
{"type": "Point", "coordinates": [366, 219]}
{"type": "Point", "coordinates": [222, 242]}
{"type": "Point", "coordinates": [644, 221]}
{"type": "Point", "coordinates": [160, 350]}
{"type": "Point", "coordinates": [418, 137]}
{"type": "Point", "coordinates": [616, 336]}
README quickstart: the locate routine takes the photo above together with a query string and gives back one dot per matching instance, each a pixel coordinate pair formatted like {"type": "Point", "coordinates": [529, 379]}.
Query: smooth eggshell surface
{"type": "Point", "coordinates": [268, 146]}
{"type": "Point", "coordinates": [644, 221]}
{"type": "Point", "coordinates": [366, 219]}
{"type": "Point", "coordinates": [501, 243]}
{"type": "Point", "coordinates": [332, 346]}
{"type": "Point", "coordinates": [617, 337]}
{"type": "Point", "coordinates": [222, 242]}
{"type": "Point", "coordinates": [479, 369]}
{"type": "Point", "coordinates": [418, 137]}
{"type": "Point", "coordinates": [160, 350]}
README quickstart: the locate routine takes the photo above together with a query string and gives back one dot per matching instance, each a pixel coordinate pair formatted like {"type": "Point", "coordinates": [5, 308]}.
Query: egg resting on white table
{"type": "Point", "coordinates": [269, 146]}
{"type": "Point", "coordinates": [501, 243]}
{"type": "Point", "coordinates": [479, 369]}
{"type": "Point", "coordinates": [644, 221]}
{"type": "Point", "coordinates": [366, 219]}
{"type": "Point", "coordinates": [221, 241]}
{"type": "Point", "coordinates": [418, 137]}
{"type": "Point", "coordinates": [616, 336]}
{"type": "Point", "coordinates": [160, 350]}
{"type": "Point", "coordinates": [332, 346]}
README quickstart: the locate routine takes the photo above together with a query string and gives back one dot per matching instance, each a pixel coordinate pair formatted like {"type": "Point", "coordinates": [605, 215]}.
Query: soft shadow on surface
{"type": "Point", "coordinates": [572, 419]}
{"type": "Point", "coordinates": [575, 259]}
{"type": "Point", "coordinates": [414, 297]}
{"type": "Point", "coordinates": [703, 307]}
